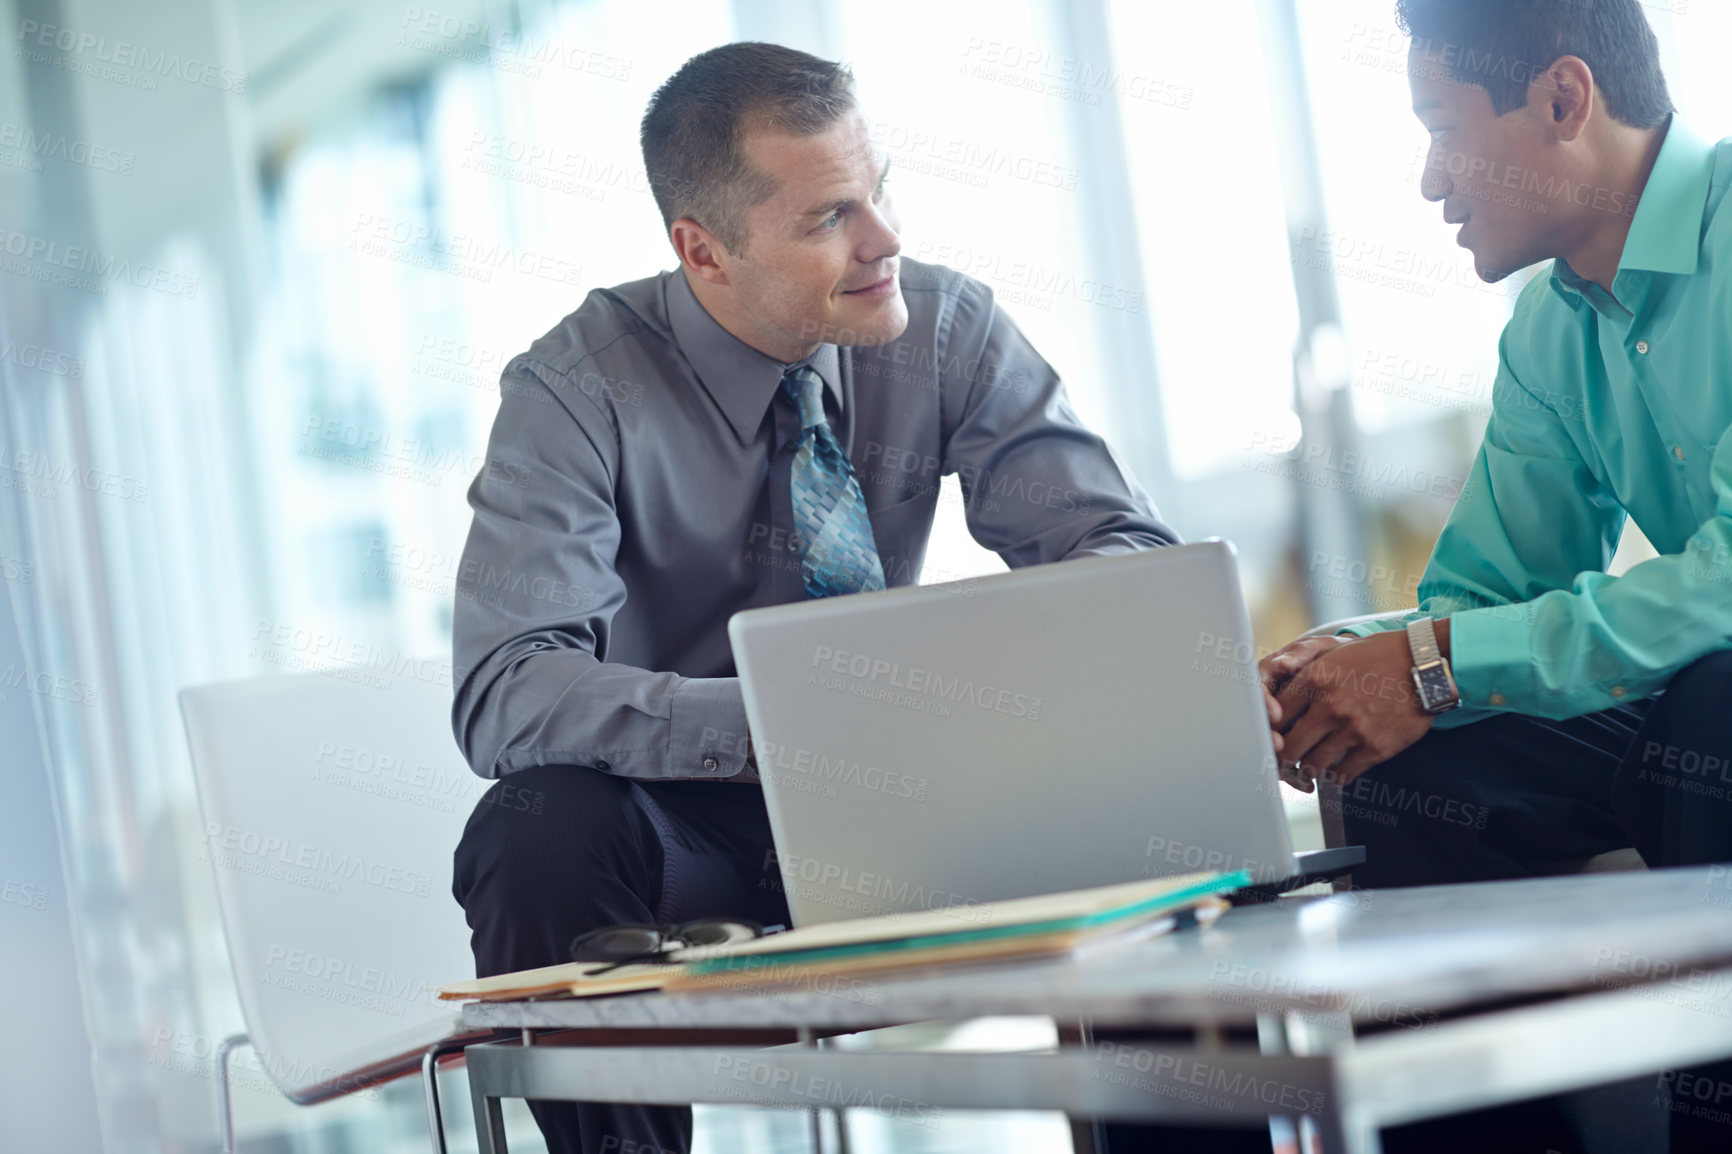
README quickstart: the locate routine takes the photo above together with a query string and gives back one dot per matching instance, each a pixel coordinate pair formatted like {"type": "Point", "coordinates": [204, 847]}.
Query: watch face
{"type": "Point", "coordinates": [1435, 686]}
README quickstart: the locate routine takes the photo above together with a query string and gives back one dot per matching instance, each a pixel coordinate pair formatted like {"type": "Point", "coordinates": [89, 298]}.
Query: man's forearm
{"type": "Point", "coordinates": [560, 705]}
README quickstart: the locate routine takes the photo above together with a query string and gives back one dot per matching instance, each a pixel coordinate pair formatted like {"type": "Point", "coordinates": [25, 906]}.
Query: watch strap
{"type": "Point", "coordinates": [1422, 639]}
{"type": "Point", "coordinates": [1428, 659]}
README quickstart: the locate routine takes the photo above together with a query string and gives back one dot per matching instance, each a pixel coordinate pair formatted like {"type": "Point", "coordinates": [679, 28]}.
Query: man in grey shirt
{"type": "Point", "coordinates": [641, 488]}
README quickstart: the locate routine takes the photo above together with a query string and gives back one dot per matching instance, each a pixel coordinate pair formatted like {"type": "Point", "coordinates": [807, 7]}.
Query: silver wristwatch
{"type": "Point", "coordinates": [1431, 675]}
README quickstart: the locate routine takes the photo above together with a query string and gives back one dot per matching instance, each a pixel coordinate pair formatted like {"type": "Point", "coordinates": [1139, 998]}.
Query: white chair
{"type": "Point", "coordinates": [1329, 793]}
{"type": "Point", "coordinates": [331, 809]}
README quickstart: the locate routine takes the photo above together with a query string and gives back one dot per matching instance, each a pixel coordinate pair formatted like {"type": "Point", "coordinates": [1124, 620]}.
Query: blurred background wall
{"type": "Point", "coordinates": [261, 264]}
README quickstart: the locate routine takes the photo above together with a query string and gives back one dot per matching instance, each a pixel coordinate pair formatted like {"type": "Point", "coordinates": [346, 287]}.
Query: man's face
{"type": "Point", "coordinates": [820, 263]}
{"type": "Point", "coordinates": [1493, 174]}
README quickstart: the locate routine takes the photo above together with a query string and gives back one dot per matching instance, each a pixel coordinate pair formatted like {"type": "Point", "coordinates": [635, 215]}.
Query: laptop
{"type": "Point", "coordinates": [1053, 728]}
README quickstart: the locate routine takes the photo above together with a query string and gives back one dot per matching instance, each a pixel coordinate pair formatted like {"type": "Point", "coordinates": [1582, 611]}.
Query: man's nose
{"type": "Point", "coordinates": [1434, 183]}
{"type": "Point", "coordinates": [885, 240]}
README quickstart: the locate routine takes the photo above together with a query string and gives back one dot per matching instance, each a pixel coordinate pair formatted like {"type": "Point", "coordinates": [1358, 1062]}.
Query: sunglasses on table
{"type": "Point", "coordinates": [624, 945]}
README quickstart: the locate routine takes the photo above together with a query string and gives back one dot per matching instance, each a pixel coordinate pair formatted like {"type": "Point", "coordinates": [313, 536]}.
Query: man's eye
{"type": "Point", "coordinates": [831, 221]}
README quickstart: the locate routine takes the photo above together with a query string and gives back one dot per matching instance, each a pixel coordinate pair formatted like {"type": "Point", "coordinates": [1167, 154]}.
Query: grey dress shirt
{"type": "Point", "coordinates": [636, 495]}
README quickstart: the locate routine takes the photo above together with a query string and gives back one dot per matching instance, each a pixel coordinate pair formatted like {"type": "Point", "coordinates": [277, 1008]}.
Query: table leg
{"type": "Point", "coordinates": [843, 1146]}
{"type": "Point", "coordinates": [1337, 1134]}
{"type": "Point", "coordinates": [815, 1116]}
{"type": "Point", "coordinates": [1085, 1133]}
{"type": "Point", "coordinates": [489, 1116]}
{"type": "Point", "coordinates": [1329, 1131]}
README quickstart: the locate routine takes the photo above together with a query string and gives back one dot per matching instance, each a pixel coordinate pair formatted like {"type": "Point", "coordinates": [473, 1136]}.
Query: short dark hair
{"type": "Point", "coordinates": [693, 133]}
{"type": "Point", "coordinates": [1504, 45]}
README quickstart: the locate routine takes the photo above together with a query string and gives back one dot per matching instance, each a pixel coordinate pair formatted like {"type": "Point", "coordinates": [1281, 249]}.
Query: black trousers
{"type": "Point", "coordinates": [554, 851]}
{"type": "Point", "coordinates": [1516, 796]}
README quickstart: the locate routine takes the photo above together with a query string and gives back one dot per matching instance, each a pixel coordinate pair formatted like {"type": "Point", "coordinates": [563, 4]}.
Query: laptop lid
{"type": "Point", "coordinates": [1053, 728]}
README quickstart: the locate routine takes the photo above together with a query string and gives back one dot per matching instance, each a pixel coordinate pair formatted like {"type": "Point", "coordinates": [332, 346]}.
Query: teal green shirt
{"type": "Point", "coordinates": [1603, 411]}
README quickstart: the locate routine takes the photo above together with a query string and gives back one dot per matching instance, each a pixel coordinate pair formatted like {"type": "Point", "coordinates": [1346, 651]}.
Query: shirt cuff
{"type": "Point", "coordinates": [1491, 654]}
{"type": "Point", "coordinates": [708, 736]}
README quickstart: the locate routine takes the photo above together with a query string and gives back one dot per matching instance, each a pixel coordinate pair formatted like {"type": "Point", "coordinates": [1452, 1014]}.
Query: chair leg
{"type": "Point", "coordinates": [430, 1083]}
{"type": "Point", "coordinates": [225, 1096]}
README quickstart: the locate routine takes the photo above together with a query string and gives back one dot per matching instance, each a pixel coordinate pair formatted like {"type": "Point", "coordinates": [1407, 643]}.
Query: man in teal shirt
{"type": "Point", "coordinates": [1601, 706]}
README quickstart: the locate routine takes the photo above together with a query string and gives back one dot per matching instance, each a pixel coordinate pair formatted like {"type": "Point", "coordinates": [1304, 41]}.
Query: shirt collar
{"type": "Point", "coordinates": [1666, 233]}
{"type": "Point", "coordinates": [742, 380]}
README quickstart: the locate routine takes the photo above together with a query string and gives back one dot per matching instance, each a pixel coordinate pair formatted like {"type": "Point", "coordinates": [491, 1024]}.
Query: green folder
{"type": "Point", "coordinates": [723, 959]}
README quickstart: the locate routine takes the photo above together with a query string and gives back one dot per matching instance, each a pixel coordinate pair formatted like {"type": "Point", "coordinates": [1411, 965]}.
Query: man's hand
{"type": "Point", "coordinates": [1345, 707]}
{"type": "Point", "coordinates": [1277, 669]}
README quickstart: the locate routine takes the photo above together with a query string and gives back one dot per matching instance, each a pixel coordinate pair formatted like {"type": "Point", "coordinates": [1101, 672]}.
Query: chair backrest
{"type": "Point", "coordinates": [331, 809]}
{"type": "Point", "coordinates": [1331, 628]}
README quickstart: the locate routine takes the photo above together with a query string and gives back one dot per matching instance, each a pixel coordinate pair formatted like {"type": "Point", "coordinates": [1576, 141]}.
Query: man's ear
{"type": "Point", "coordinates": [1564, 96]}
{"type": "Point", "coordinates": [700, 253]}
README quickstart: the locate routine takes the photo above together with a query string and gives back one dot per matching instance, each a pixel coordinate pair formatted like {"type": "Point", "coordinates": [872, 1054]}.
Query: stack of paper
{"type": "Point", "coordinates": [1048, 924]}
{"type": "Point", "coordinates": [579, 979]}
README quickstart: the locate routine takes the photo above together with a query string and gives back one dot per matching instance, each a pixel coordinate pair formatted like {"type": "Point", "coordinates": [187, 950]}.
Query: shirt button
{"type": "Point", "coordinates": [711, 763]}
{"type": "Point", "coordinates": [793, 543]}
{"type": "Point", "coordinates": [1678, 452]}
{"type": "Point", "coordinates": [1617, 691]}
{"type": "Point", "coordinates": [603, 765]}
{"type": "Point", "coordinates": [1496, 699]}
{"type": "Point", "coordinates": [1642, 347]}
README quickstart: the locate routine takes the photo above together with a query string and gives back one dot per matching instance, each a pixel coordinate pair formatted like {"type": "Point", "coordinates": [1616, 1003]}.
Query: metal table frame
{"type": "Point", "coordinates": [1300, 1066]}
{"type": "Point", "coordinates": [1536, 988]}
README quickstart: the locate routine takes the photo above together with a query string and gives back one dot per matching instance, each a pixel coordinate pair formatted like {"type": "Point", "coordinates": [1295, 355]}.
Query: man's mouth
{"type": "Point", "coordinates": [878, 288]}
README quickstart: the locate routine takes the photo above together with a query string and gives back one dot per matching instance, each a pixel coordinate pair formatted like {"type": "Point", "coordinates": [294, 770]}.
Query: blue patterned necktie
{"type": "Point", "coordinates": [829, 508]}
